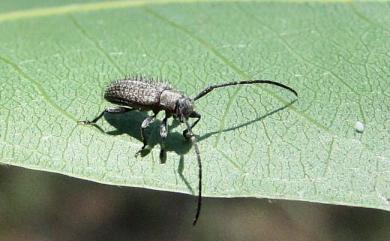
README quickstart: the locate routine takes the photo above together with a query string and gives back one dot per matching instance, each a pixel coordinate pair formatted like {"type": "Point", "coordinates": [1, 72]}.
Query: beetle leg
{"type": "Point", "coordinates": [113, 110]}
{"type": "Point", "coordinates": [144, 125]}
{"type": "Point", "coordinates": [163, 134]}
{"type": "Point", "coordinates": [194, 114]}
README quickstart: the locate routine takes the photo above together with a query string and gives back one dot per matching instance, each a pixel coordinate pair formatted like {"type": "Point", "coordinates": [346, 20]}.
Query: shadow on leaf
{"type": "Point", "coordinates": [130, 124]}
{"type": "Point", "coordinates": [207, 135]}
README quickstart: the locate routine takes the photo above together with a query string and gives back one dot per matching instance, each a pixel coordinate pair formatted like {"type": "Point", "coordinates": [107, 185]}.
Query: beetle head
{"type": "Point", "coordinates": [184, 108]}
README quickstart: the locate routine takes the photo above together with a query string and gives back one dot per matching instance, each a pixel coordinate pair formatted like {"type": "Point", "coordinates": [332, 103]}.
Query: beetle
{"type": "Point", "coordinates": [144, 94]}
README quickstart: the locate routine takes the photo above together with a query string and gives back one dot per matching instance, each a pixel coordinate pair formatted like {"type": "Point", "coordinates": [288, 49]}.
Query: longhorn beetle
{"type": "Point", "coordinates": [143, 94]}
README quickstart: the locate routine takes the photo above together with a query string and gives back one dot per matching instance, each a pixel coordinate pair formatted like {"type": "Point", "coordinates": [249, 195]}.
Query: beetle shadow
{"type": "Point", "coordinates": [130, 124]}
{"type": "Point", "coordinates": [207, 135]}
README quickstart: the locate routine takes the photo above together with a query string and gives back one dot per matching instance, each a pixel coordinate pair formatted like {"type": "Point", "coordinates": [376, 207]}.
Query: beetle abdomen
{"type": "Point", "coordinates": [135, 93]}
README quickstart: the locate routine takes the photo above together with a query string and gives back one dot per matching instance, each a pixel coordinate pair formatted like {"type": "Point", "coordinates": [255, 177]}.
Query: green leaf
{"type": "Point", "coordinates": [55, 62]}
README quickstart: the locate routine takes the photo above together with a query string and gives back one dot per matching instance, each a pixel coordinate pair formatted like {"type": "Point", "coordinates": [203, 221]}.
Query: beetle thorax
{"type": "Point", "coordinates": [168, 99]}
{"type": "Point", "coordinates": [176, 103]}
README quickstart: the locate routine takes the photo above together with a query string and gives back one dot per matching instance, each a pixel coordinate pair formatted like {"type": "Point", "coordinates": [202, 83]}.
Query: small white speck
{"type": "Point", "coordinates": [359, 127]}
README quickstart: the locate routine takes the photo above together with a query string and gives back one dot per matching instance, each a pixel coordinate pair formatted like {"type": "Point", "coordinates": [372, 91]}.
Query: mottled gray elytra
{"type": "Point", "coordinates": [143, 94]}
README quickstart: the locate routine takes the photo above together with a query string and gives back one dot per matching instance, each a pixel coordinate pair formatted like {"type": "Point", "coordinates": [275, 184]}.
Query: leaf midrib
{"type": "Point", "coordinates": [98, 6]}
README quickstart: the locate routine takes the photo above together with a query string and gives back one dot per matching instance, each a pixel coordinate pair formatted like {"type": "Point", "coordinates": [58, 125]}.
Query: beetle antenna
{"type": "Point", "coordinates": [244, 82]}
{"type": "Point", "coordinates": [194, 143]}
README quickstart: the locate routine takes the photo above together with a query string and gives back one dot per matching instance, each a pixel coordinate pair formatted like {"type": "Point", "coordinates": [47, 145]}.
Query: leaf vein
{"type": "Point", "coordinates": [95, 43]}
{"type": "Point", "coordinates": [38, 87]}
{"type": "Point", "coordinates": [235, 68]}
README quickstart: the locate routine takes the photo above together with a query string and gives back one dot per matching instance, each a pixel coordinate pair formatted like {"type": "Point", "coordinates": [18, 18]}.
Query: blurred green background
{"type": "Point", "coordinates": [43, 206]}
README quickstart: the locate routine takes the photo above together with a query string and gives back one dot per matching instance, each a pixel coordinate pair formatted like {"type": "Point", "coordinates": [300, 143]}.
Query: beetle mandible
{"type": "Point", "coordinates": [144, 94]}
